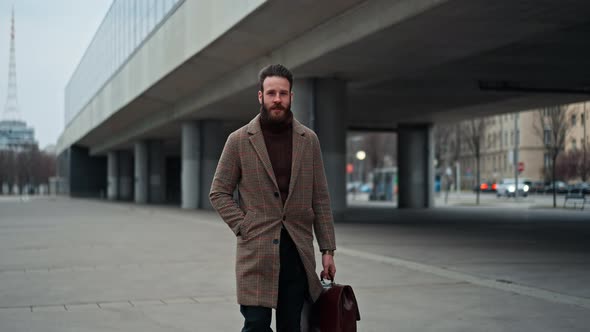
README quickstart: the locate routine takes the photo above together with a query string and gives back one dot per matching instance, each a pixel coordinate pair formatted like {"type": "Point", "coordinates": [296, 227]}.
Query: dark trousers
{"type": "Point", "coordinates": [292, 294]}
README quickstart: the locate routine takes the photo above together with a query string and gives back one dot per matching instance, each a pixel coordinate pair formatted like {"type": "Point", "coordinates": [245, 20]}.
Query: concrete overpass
{"type": "Point", "coordinates": [162, 114]}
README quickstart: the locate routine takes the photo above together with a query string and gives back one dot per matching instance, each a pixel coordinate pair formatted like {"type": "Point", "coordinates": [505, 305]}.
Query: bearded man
{"type": "Point", "coordinates": [276, 164]}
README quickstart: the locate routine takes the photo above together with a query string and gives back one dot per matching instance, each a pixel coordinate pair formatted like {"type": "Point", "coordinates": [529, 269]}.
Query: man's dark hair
{"type": "Point", "coordinates": [275, 70]}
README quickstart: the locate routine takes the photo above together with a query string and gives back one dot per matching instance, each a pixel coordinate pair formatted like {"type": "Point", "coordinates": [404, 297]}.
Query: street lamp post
{"type": "Point", "coordinates": [515, 155]}
{"type": "Point", "coordinates": [360, 156]}
{"type": "Point", "coordinates": [584, 161]}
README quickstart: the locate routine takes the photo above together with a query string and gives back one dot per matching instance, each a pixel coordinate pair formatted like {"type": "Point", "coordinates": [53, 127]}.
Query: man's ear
{"type": "Point", "coordinates": [260, 97]}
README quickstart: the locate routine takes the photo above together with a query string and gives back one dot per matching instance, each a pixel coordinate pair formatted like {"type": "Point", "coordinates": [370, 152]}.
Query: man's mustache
{"type": "Point", "coordinates": [278, 107]}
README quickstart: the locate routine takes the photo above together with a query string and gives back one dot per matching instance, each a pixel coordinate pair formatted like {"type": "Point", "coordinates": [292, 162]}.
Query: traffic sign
{"type": "Point", "coordinates": [349, 168]}
{"type": "Point", "coordinates": [520, 166]}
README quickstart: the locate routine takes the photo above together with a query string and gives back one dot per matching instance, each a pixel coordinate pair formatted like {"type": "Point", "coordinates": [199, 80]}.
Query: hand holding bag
{"type": "Point", "coordinates": [336, 310]}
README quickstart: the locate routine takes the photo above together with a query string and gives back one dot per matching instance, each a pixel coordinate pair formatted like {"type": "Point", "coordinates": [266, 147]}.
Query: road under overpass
{"type": "Point", "coordinates": [154, 130]}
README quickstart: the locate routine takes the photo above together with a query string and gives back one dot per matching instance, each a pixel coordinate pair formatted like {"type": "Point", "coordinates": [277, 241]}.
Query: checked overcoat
{"type": "Point", "coordinates": [258, 218]}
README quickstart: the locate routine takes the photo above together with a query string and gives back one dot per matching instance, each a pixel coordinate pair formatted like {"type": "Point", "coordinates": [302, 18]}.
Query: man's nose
{"type": "Point", "coordinates": [276, 98]}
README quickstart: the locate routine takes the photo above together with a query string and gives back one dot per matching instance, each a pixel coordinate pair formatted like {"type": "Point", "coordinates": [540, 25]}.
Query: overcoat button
{"type": "Point", "coordinates": [284, 218]}
{"type": "Point", "coordinates": [276, 194]}
{"type": "Point", "coordinates": [275, 241]}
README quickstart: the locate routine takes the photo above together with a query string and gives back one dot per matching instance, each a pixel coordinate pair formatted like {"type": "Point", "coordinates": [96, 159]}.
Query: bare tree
{"type": "Point", "coordinates": [377, 146]}
{"type": "Point", "coordinates": [473, 132]}
{"type": "Point", "coordinates": [26, 167]}
{"type": "Point", "coordinates": [552, 127]}
{"type": "Point", "coordinates": [568, 165]}
{"type": "Point", "coordinates": [443, 154]}
{"type": "Point", "coordinates": [456, 146]}
{"type": "Point", "coordinates": [442, 137]}
{"type": "Point", "coordinates": [8, 174]}
{"type": "Point", "coordinates": [584, 167]}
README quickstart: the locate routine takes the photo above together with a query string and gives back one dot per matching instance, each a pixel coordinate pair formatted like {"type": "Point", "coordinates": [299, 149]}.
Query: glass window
{"type": "Point", "coordinates": [573, 119]}
{"type": "Point", "coordinates": [125, 26]}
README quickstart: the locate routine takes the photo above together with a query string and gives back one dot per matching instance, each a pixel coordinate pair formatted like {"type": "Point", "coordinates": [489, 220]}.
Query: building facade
{"type": "Point", "coordinates": [500, 134]}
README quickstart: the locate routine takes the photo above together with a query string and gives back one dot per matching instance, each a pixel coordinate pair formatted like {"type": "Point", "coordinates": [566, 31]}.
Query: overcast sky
{"type": "Point", "coordinates": [51, 37]}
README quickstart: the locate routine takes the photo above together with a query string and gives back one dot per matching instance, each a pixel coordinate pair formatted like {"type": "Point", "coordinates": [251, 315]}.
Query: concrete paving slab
{"type": "Point", "coordinates": [418, 277]}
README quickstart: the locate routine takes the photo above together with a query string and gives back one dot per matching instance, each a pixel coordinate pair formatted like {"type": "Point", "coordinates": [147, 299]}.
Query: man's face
{"type": "Point", "coordinates": [275, 98]}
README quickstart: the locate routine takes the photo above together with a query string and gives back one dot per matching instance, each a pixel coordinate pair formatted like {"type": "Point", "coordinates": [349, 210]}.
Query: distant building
{"type": "Point", "coordinates": [16, 136]}
{"type": "Point", "coordinates": [497, 146]}
{"type": "Point", "coordinates": [14, 133]}
{"type": "Point", "coordinates": [50, 149]}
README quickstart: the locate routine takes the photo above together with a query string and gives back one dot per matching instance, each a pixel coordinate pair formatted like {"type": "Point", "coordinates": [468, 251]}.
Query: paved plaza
{"type": "Point", "coordinates": [83, 265]}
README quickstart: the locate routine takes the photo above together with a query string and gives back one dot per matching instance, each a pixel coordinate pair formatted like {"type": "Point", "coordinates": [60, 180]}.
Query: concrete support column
{"type": "Point", "coordinates": [125, 160]}
{"type": "Point", "coordinates": [112, 176]}
{"type": "Point", "coordinates": [415, 166]}
{"type": "Point", "coordinates": [157, 172]}
{"type": "Point", "coordinates": [141, 172]}
{"type": "Point", "coordinates": [329, 117]}
{"type": "Point", "coordinates": [213, 137]}
{"type": "Point", "coordinates": [191, 165]}
{"type": "Point", "coordinates": [303, 105]}
{"type": "Point", "coordinates": [86, 176]}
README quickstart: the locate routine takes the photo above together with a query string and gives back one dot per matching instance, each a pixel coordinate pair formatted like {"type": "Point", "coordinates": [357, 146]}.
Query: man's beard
{"type": "Point", "coordinates": [266, 113]}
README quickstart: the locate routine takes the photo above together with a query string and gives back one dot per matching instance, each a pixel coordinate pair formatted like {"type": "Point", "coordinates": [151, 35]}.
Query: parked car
{"type": "Point", "coordinates": [560, 187]}
{"type": "Point", "coordinates": [353, 186]}
{"type": "Point", "coordinates": [580, 187]}
{"type": "Point", "coordinates": [537, 187]}
{"type": "Point", "coordinates": [366, 188]}
{"type": "Point", "coordinates": [486, 186]}
{"type": "Point", "coordinates": [507, 188]}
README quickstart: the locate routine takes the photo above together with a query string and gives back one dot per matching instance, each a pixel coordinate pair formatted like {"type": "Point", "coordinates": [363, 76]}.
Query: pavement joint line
{"type": "Point", "coordinates": [179, 300]}
{"type": "Point", "coordinates": [489, 283]}
{"type": "Point", "coordinates": [99, 305]}
{"type": "Point", "coordinates": [48, 307]}
{"type": "Point", "coordinates": [90, 268]}
{"type": "Point", "coordinates": [381, 287]}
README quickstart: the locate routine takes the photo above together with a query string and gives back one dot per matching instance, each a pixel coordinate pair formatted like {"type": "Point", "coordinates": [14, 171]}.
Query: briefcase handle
{"type": "Point", "coordinates": [326, 283]}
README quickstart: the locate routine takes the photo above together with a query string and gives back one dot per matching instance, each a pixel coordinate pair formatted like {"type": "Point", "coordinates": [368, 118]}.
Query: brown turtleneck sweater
{"type": "Point", "coordinates": [279, 144]}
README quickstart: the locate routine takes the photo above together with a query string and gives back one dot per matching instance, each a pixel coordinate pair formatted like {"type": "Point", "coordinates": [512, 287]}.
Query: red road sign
{"type": "Point", "coordinates": [520, 166]}
{"type": "Point", "coordinates": [349, 168]}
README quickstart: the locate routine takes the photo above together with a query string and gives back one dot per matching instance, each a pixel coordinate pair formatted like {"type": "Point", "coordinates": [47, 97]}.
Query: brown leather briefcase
{"type": "Point", "coordinates": [336, 310]}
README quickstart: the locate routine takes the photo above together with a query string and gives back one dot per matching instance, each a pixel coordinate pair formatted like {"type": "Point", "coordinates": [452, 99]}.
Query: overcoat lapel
{"type": "Point", "coordinates": [257, 140]}
{"type": "Point", "coordinates": [298, 145]}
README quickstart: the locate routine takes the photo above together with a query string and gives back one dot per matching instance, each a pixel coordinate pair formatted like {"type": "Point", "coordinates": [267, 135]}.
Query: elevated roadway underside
{"type": "Point", "coordinates": [403, 61]}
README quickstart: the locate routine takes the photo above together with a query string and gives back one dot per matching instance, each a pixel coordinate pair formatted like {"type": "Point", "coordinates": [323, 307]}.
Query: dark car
{"type": "Point", "coordinates": [561, 187]}
{"type": "Point", "coordinates": [537, 187]}
{"type": "Point", "coordinates": [580, 188]}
